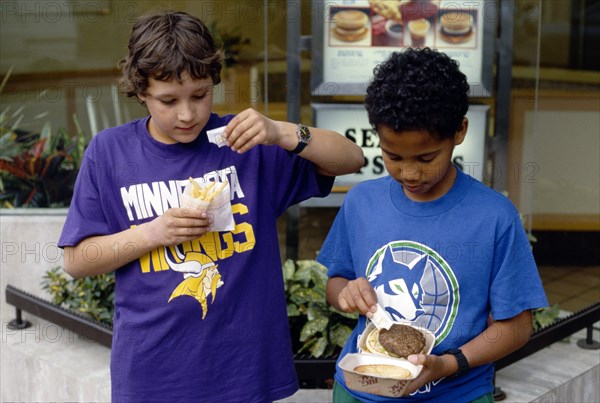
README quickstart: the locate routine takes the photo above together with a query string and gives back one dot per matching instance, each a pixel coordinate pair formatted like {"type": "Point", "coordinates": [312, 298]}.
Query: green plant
{"type": "Point", "coordinates": [545, 316]}
{"type": "Point", "coordinates": [37, 169]}
{"type": "Point", "coordinates": [91, 296]}
{"type": "Point", "coordinates": [317, 328]}
{"type": "Point", "coordinates": [324, 330]}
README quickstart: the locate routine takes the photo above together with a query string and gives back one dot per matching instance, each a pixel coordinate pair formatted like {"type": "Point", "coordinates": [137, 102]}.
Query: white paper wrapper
{"type": "Point", "coordinates": [219, 208]}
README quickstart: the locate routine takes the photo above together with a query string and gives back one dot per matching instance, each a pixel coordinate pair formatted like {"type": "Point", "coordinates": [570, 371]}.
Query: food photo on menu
{"type": "Point", "coordinates": [405, 23]}
{"type": "Point", "coordinates": [350, 27]}
{"type": "Point", "coordinates": [457, 28]}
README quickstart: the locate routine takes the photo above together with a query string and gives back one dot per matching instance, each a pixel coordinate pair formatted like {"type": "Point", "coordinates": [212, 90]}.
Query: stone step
{"type": "Point", "coordinates": [47, 363]}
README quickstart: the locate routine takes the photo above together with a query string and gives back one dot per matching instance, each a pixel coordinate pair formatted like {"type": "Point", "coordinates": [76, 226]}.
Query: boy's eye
{"type": "Point", "coordinates": [426, 159]}
{"type": "Point", "coordinates": [392, 157]}
{"type": "Point", "coordinates": [167, 101]}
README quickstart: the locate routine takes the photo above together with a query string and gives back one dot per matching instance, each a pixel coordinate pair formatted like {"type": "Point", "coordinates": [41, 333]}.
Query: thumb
{"type": "Point", "coordinates": [417, 359]}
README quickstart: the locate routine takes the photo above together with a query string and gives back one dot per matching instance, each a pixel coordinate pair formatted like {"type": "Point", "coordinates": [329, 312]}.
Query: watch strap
{"type": "Point", "coordinates": [299, 147]}
{"type": "Point", "coordinates": [461, 360]}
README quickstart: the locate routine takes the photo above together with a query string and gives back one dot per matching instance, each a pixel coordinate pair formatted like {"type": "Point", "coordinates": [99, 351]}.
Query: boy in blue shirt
{"type": "Point", "coordinates": [430, 244]}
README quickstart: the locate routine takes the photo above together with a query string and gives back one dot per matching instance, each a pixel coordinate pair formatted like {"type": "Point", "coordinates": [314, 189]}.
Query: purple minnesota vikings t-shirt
{"type": "Point", "coordinates": [221, 334]}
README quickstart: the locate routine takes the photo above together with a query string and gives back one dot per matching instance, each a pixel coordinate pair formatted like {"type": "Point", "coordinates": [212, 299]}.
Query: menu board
{"type": "Point", "coordinates": [352, 37]}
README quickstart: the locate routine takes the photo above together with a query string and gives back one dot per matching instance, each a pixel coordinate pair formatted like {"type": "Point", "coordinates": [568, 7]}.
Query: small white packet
{"type": "Point", "coordinates": [214, 199]}
{"type": "Point", "coordinates": [215, 136]}
{"type": "Point", "coordinates": [380, 319]}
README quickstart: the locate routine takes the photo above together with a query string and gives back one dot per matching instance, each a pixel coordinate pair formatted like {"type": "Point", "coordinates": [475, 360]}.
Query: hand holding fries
{"type": "Point", "coordinates": [214, 199]}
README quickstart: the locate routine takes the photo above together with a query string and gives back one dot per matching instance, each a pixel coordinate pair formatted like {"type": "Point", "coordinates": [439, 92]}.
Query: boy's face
{"type": "Point", "coordinates": [179, 110]}
{"type": "Point", "coordinates": [421, 163]}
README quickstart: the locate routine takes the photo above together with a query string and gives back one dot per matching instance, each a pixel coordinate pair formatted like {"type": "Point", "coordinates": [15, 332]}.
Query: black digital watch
{"type": "Point", "coordinates": [463, 364]}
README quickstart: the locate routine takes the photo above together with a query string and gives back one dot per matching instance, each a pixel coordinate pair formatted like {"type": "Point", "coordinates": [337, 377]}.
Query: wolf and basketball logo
{"type": "Point", "coordinates": [414, 283]}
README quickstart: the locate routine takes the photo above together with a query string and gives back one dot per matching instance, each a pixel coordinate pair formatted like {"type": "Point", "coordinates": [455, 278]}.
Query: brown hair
{"type": "Point", "coordinates": [166, 45]}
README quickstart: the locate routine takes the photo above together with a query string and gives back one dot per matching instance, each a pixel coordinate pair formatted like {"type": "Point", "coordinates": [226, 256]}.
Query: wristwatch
{"type": "Point", "coordinates": [463, 364]}
{"type": "Point", "coordinates": [304, 137]}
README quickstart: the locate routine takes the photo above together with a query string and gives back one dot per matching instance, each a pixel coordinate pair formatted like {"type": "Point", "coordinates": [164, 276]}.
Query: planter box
{"type": "Point", "coordinates": [29, 248]}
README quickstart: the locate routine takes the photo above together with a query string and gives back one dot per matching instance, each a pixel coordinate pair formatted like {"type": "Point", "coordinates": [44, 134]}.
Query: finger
{"type": "Point", "coordinates": [183, 234]}
{"type": "Point", "coordinates": [359, 301]}
{"type": "Point", "coordinates": [417, 359]}
{"type": "Point", "coordinates": [233, 123]}
{"type": "Point", "coordinates": [189, 213]}
{"type": "Point", "coordinates": [238, 124]}
{"type": "Point", "coordinates": [247, 139]}
{"type": "Point", "coordinates": [368, 294]}
{"type": "Point", "coordinates": [344, 305]}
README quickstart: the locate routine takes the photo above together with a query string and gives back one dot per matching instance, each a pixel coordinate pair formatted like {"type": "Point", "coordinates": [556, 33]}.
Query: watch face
{"type": "Point", "coordinates": [304, 134]}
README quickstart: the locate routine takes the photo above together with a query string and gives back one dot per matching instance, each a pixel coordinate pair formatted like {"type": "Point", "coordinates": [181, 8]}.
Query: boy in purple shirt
{"type": "Point", "coordinates": [218, 331]}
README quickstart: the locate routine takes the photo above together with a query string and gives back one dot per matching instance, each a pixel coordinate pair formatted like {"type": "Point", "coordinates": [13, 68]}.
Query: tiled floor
{"type": "Point", "coordinates": [571, 287]}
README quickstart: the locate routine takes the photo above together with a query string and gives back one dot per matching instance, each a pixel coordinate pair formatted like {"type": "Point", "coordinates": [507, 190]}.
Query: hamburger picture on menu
{"type": "Point", "coordinates": [349, 26]}
{"type": "Point", "coordinates": [456, 26]}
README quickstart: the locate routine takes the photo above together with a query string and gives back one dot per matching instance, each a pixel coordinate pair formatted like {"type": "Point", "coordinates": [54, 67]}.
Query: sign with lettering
{"type": "Point", "coordinates": [352, 121]}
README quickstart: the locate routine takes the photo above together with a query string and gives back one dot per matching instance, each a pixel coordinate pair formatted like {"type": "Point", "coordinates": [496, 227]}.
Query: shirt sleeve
{"type": "Point", "coordinates": [516, 284]}
{"type": "Point", "coordinates": [296, 178]}
{"type": "Point", "coordinates": [85, 217]}
{"type": "Point", "coordinates": [336, 252]}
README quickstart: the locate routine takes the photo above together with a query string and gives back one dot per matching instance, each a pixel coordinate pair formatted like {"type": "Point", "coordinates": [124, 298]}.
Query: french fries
{"type": "Point", "coordinates": [208, 192]}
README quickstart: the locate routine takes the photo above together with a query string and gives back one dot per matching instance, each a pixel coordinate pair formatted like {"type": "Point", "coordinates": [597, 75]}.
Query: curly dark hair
{"type": "Point", "coordinates": [418, 89]}
{"type": "Point", "coordinates": [166, 45]}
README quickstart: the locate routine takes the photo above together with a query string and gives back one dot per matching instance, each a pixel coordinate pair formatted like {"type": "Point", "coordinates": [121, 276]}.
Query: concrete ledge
{"type": "Point", "coordinates": [46, 363]}
{"type": "Point", "coordinates": [562, 372]}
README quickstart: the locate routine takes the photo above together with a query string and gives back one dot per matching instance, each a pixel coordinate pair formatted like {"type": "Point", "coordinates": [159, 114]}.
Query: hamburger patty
{"type": "Point", "coordinates": [402, 340]}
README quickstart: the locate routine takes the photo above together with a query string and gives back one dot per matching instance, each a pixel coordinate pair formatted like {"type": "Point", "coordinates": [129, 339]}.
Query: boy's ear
{"type": "Point", "coordinates": [141, 98]}
{"type": "Point", "coordinates": [460, 134]}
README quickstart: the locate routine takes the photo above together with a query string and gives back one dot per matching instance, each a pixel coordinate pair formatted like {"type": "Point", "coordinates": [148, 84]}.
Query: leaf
{"type": "Point", "coordinates": [353, 315]}
{"type": "Point", "coordinates": [302, 275]}
{"type": "Point", "coordinates": [5, 79]}
{"type": "Point", "coordinates": [312, 327]}
{"type": "Point", "coordinates": [316, 311]}
{"type": "Point", "coordinates": [545, 316]}
{"type": "Point", "coordinates": [307, 345]}
{"type": "Point", "coordinates": [292, 310]}
{"type": "Point", "coordinates": [302, 295]}
{"type": "Point", "coordinates": [288, 270]}
{"type": "Point", "coordinates": [318, 347]}
{"type": "Point", "coordinates": [339, 334]}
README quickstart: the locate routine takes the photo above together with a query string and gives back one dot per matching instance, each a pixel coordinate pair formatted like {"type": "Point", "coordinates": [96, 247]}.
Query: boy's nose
{"type": "Point", "coordinates": [185, 114]}
{"type": "Point", "coordinates": [409, 171]}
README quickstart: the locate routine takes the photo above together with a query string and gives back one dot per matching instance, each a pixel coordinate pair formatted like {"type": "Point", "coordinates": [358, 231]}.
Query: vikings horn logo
{"type": "Point", "coordinates": [400, 291]}
{"type": "Point", "coordinates": [200, 279]}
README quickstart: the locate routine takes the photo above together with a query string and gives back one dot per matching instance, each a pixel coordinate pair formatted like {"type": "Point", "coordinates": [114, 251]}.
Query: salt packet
{"type": "Point", "coordinates": [380, 318]}
{"type": "Point", "coordinates": [215, 136]}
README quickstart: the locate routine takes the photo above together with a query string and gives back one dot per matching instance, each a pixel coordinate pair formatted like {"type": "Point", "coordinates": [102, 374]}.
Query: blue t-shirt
{"type": "Point", "coordinates": [222, 336]}
{"type": "Point", "coordinates": [446, 265]}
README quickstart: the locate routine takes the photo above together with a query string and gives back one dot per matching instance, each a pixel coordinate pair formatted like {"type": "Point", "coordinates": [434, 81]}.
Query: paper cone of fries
{"type": "Point", "coordinates": [212, 197]}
